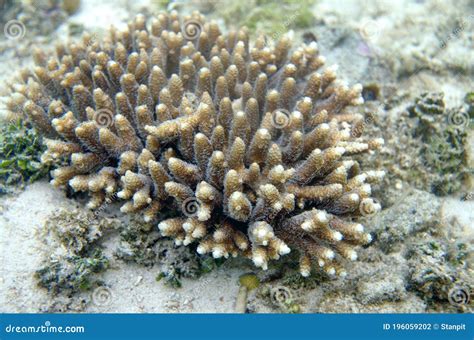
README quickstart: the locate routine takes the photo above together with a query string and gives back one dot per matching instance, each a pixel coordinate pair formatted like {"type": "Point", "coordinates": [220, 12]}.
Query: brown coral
{"type": "Point", "coordinates": [247, 145]}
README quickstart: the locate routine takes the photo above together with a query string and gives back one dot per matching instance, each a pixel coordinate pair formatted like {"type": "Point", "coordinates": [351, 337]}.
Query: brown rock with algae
{"type": "Point", "coordinates": [248, 145]}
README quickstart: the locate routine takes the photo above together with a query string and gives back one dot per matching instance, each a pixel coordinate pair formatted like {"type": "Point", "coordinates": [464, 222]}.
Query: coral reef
{"type": "Point", "coordinates": [246, 147]}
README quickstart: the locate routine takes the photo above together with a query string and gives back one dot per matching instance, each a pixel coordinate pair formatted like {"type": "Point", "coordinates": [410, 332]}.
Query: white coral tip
{"type": "Point", "coordinates": [307, 226]}
{"type": "Point", "coordinates": [305, 272]}
{"type": "Point", "coordinates": [329, 254]}
{"type": "Point", "coordinates": [337, 236]}
{"type": "Point", "coordinates": [322, 217]}
{"type": "Point", "coordinates": [163, 226]}
{"type": "Point", "coordinates": [358, 87]}
{"type": "Point", "coordinates": [352, 255]}
{"type": "Point", "coordinates": [259, 261]}
{"type": "Point", "coordinates": [217, 253]}
{"type": "Point", "coordinates": [359, 228]}
{"type": "Point", "coordinates": [284, 249]}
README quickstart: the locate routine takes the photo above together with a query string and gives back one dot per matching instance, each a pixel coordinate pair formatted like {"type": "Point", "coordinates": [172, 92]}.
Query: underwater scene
{"type": "Point", "coordinates": [217, 156]}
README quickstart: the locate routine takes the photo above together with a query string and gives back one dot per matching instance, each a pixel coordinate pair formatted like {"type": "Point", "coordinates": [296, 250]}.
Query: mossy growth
{"type": "Point", "coordinates": [469, 100]}
{"type": "Point", "coordinates": [20, 155]}
{"type": "Point", "coordinates": [72, 274]}
{"type": "Point", "coordinates": [170, 278]}
{"type": "Point", "coordinates": [70, 6]}
{"type": "Point", "coordinates": [295, 281]}
{"type": "Point", "coordinates": [77, 231]}
{"type": "Point", "coordinates": [179, 263]}
{"type": "Point", "coordinates": [207, 264]}
{"type": "Point", "coordinates": [444, 154]}
{"type": "Point", "coordinates": [270, 17]}
{"type": "Point", "coordinates": [442, 132]}
{"type": "Point", "coordinates": [267, 16]}
{"type": "Point", "coordinates": [436, 265]}
{"type": "Point", "coordinates": [137, 243]}
{"type": "Point", "coordinates": [460, 254]}
{"type": "Point", "coordinates": [427, 104]}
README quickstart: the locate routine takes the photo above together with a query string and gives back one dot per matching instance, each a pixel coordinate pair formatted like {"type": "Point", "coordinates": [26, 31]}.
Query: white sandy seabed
{"type": "Point", "coordinates": [133, 288]}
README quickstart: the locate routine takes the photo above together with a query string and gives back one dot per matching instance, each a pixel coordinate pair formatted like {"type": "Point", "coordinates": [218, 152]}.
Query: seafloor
{"type": "Point", "coordinates": [407, 54]}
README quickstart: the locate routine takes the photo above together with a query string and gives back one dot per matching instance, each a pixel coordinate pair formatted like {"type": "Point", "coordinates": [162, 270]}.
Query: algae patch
{"type": "Point", "coordinates": [20, 156]}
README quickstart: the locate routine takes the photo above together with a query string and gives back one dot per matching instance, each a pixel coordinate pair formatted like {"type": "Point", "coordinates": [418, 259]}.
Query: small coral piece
{"type": "Point", "coordinates": [248, 145]}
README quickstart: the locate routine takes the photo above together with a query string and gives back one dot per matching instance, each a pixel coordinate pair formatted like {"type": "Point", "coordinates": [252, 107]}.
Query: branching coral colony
{"type": "Point", "coordinates": [247, 145]}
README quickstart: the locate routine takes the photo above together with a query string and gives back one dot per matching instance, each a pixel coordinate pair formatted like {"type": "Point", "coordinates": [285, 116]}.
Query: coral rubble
{"type": "Point", "coordinates": [245, 147]}
{"type": "Point", "coordinates": [76, 258]}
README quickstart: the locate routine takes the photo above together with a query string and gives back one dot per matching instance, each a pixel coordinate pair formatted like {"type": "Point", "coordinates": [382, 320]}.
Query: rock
{"type": "Point", "coordinates": [394, 224]}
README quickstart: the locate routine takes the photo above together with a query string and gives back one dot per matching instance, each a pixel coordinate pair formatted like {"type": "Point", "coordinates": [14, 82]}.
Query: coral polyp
{"type": "Point", "coordinates": [244, 147]}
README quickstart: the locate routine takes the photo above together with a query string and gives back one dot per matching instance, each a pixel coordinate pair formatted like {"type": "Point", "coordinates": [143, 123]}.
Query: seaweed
{"type": "Point", "coordinates": [20, 155]}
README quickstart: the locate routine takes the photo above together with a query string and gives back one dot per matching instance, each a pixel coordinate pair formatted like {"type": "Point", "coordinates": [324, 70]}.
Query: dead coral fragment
{"type": "Point", "coordinates": [74, 257]}
{"type": "Point", "coordinates": [249, 143]}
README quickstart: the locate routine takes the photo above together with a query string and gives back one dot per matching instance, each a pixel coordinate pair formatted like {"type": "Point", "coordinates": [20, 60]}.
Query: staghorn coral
{"type": "Point", "coordinates": [244, 147]}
